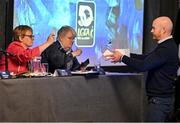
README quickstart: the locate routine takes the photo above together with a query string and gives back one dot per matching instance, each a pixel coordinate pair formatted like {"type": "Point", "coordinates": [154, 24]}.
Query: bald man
{"type": "Point", "coordinates": [162, 65]}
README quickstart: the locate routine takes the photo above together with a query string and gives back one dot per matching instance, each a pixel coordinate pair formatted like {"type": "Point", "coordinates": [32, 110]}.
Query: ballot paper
{"type": "Point", "coordinates": [107, 53]}
{"type": "Point", "coordinates": [124, 51]}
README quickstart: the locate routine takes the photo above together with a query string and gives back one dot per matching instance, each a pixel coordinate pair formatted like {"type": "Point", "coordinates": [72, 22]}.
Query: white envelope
{"type": "Point", "coordinates": [124, 51]}
{"type": "Point", "coordinates": [107, 53]}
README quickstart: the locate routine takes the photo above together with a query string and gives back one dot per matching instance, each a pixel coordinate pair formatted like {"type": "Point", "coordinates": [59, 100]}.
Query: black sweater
{"type": "Point", "coordinates": [161, 64]}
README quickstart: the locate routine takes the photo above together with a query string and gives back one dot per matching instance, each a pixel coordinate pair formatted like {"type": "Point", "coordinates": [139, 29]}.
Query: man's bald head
{"type": "Point", "coordinates": [165, 23]}
{"type": "Point", "coordinates": [161, 28]}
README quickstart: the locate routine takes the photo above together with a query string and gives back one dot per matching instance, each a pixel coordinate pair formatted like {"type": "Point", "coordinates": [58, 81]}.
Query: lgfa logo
{"type": "Point", "coordinates": [85, 24]}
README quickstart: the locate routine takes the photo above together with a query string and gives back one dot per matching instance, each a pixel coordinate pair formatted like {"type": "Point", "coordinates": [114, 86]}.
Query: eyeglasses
{"type": "Point", "coordinates": [30, 36]}
{"type": "Point", "coordinates": [71, 38]}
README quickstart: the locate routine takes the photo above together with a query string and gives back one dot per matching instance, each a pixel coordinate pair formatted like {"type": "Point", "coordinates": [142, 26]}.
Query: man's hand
{"type": "Point", "coordinates": [77, 52]}
{"type": "Point", "coordinates": [115, 57]}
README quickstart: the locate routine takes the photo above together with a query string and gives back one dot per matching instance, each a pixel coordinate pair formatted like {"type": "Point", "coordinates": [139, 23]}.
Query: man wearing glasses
{"type": "Point", "coordinates": [60, 55]}
{"type": "Point", "coordinates": [20, 50]}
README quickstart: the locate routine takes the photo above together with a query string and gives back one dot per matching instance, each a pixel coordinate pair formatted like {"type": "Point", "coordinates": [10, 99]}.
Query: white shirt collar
{"type": "Point", "coordinates": [169, 37]}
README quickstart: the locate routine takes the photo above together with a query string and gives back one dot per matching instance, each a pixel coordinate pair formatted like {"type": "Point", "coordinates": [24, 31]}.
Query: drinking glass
{"type": "Point", "coordinates": [45, 68]}
{"type": "Point", "coordinates": [36, 65]}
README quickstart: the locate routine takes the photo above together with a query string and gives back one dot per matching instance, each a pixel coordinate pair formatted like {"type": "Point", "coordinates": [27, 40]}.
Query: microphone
{"type": "Point", "coordinates": [6, 53]}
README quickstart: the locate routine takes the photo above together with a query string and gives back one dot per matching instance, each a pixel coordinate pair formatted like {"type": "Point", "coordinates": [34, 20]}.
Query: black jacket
{"type": "Point", "coordinates": [57, 58]}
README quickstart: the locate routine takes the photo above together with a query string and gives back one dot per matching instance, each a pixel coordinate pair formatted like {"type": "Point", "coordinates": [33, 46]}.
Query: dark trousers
{"type": "Point", "coordinates": [177, 94]}
{"type": "Point", "coordinates": [159, 109]}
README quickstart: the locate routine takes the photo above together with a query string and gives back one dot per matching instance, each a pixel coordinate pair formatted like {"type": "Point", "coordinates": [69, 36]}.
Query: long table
{"type": "Point", "coordinates": [103, 98]}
